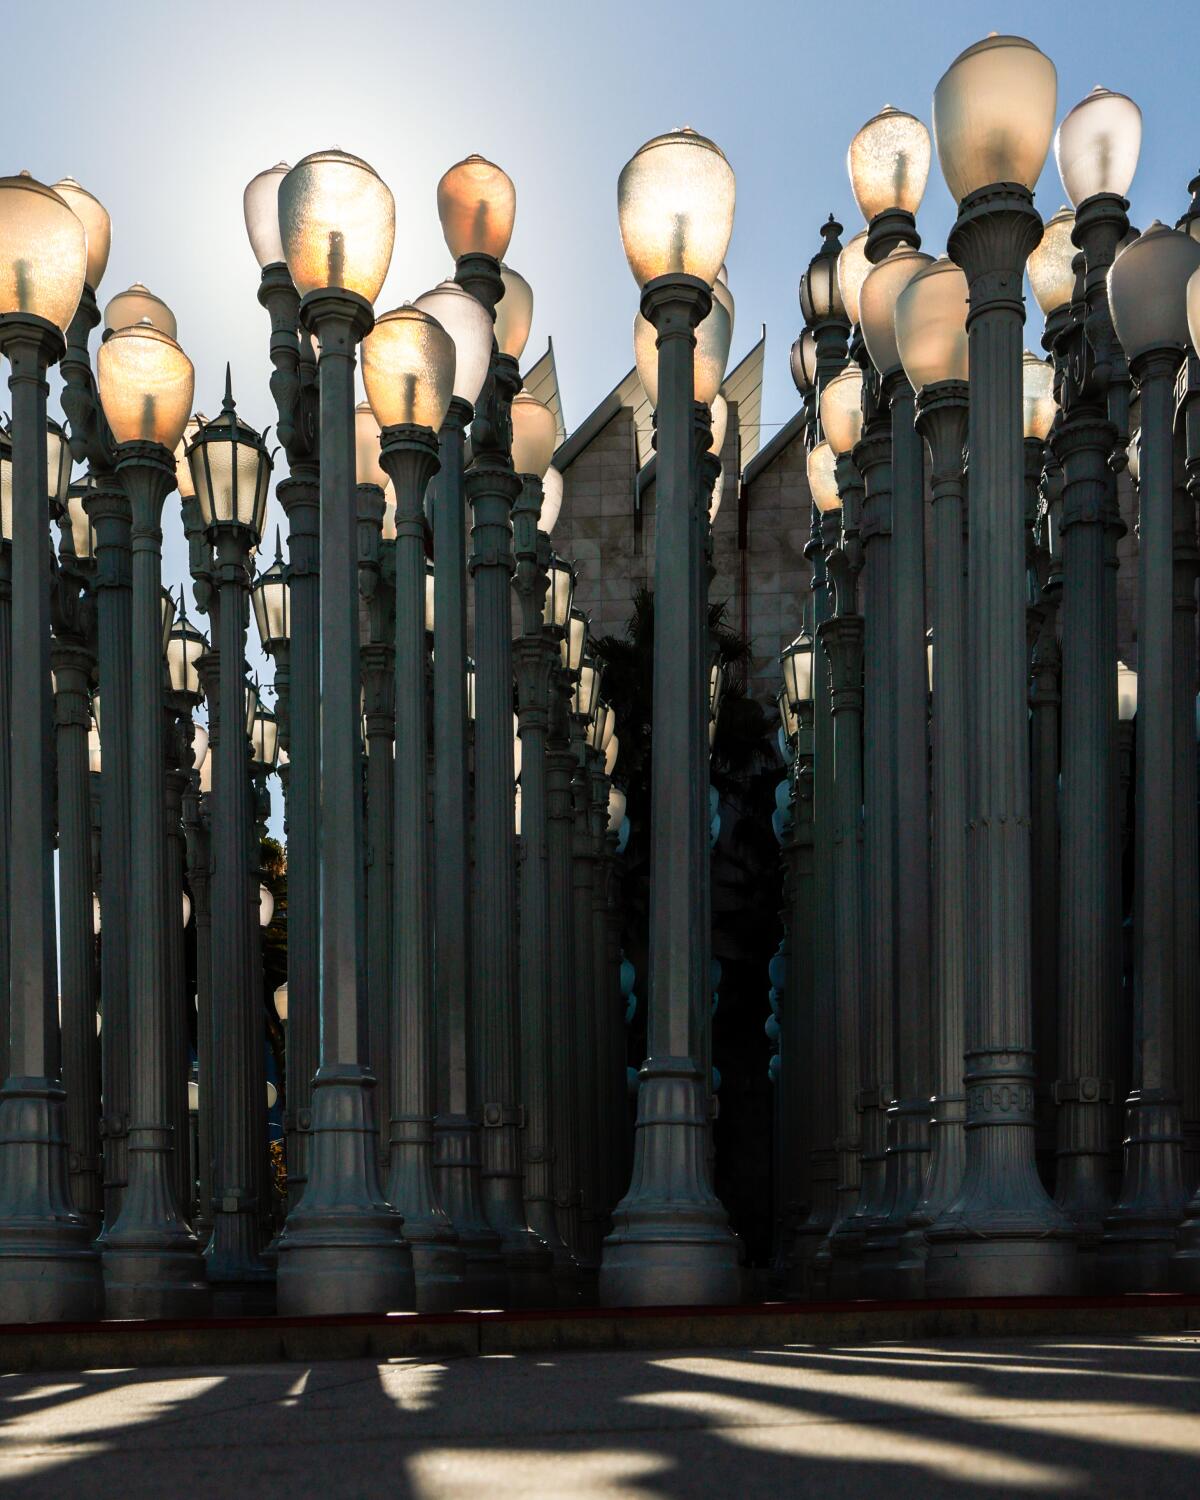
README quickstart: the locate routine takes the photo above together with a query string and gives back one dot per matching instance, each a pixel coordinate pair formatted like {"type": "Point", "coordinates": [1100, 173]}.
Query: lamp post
{"type": "Point", "coordinates": [456, 1128]}
{"type": "Point", "coordinates": [931, 337]}
{"type": "Point", "coordinates": [1147, 295]}
{"type": "Point", "coordinates": [73, 662]}
{"type": "Point", "coordinates": [230, 469]}
{"type": "Point", "coordinates": [545, 602]}
{"type": "Point", "coordinates": [152, 1265]}
{"type": "Point", "coordinates": [5, 726]}
{"type": "Point", "coordinates": [198, 851]}
{"type": "Point", "coordinates": [408, 370]}
{"type": "Point", "coordinates": [1097, 148]}
{"type": "Point", "coordinates": [670, 1240]}
{"type": "Point", "coordinates": [477, 206]}
{"type": "Point", "coordinates": [585, 694]}
{"type": "Point", "coordinates": [908, 1112]}
{"type": "Point", "coordinates": [993, 117]}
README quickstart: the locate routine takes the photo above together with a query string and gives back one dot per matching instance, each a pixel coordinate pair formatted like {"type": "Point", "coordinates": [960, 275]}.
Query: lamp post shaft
{"type": "Point", "coordinates": [583, 979]}
{"type": "Point", "coordinates": [796, 1025]}
{"type": "Point", "coordinates": [152, 1264]}
{"type": "Point", "coordinates": [176, 740]}
{"type": "Point", "coordinates": [1002, 1229]}
{"type": "Point", "coordinates": [199, 873]}
{"type": "Point", "coordinates": [47, 1268]}
{"type": "Point", "coordinates": [670, 1240]}
{"type": "Point", "coordinates": [410, 458]}
{"type": "Point", "coordinates": [561, 996]}
{"type": "Point", "coordinates": [379, 717]}
{"type": "Point", "coordinates": [6, 665]}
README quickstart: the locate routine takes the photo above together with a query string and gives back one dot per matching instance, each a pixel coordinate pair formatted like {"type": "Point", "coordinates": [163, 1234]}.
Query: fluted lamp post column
{"type": "Point", "coordinates": [341, 1249]}
{"type": "Point", "coordinates": [993, 117]}
{"type": "Point", "coordinates": [456, 1129]}
{"type": "Point", "coordinates": [294, 388]}
{"type": "Point", "coordinates": [230, 470]}
{"type": "Point", "coordinates": [1147, 290]}
{"type": "Point", "coordinates": [544, 593]}
{"type": "Point", "coordinates": [671, 1240]}
{"type": "Point", "coordinates": [47, 1268]}
{"type": "Point", "coordinates": [152, 1264]}
{"type": "Point", "coordinates": [408, 371]}
{"type": "Point", "coordinates": [931, 335]}
{"type": "Point", "coordinates": [1097, 148]}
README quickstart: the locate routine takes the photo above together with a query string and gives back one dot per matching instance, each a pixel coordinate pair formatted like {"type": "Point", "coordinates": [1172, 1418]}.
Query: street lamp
{"type": "Point", "coordinates": [152, 1265]}
{"type": "Point", "coordinates": [1147, 293]}
{"type": "Point", "coordinates": [408, 372]}
{"type": "Point", "coordinates": [993, 114]}
{"type": "Point", "coordinates": [888, 164]}
{"type": "Point", "coordinates": [341, 1249]}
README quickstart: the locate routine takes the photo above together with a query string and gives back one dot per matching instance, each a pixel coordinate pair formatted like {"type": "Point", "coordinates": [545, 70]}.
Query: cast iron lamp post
{"type": "Point", "coordinates": [931, 336]}
{"type": "Point", "coordinates": [908, 1112]}
{"type": "Point", "coordinates": [993, 116]}
{"type": "Point", "coordinates": [1147, 295]}
{"type": "Point", "coordinates": [341, 1249]}
{"type": "Point", "coordinates": [456, 1129]}
{"type": "Point", "coordinates": [670, 1240]}
{"type": "Point", "coordinates": [294, 388]}
{"type": "Point", "coordinates": [230, 469]}
{"type": "Point", "coordinates": [152, 1264]}
{"type": "Point", "coordinates": [1097, 148]}
{"type": "Point", "coordinates": [477, 206]}
{"type": "Point", "coordinates": [536, 653]}
{"type": "Point", "coordinates": [408, 371]}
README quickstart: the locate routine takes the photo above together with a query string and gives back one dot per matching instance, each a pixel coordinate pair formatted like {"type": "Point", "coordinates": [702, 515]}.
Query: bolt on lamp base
{"type": "Point", "coordinates": [49, 1272]}
{"type": "Point", "coordinates": [456, 1178]}
{"type": "Point", "coordinates": [343, 1249]}
{"type": "Point", "coordinates": [671, 1242]}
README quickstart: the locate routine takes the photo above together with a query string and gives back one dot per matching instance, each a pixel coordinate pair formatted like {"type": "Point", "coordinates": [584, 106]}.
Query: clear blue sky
{"type": "Point", "coordinates": [166, 110]}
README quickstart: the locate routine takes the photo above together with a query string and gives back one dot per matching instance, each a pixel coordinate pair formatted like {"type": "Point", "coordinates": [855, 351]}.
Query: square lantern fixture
{"type": "Point", "coordinates": [185, 647]}
{"type": "Point", "coordinates": [252, 702]}
{"type": "Point", "coordinates": [264, 740]}
{"type": "Point", "coordinates": [587, 689]}
{"type": "Point", "coordinates": [58, 467]}
{"type": "Point", "coordinates": [559, 594]}
{"type": "Point", "coordinates": [796, 661]}
{"type": "Point", "coordinates": [272, 599]}
{"type": "Point", "coordinates": [574, 641]}
{"type": "Point", "coordinates": [231, 469]}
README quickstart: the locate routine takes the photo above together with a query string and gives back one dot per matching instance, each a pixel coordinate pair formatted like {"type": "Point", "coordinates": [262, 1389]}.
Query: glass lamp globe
{"type": "Point", "coordinates": [931, 325]}
{"type": "Point", "coordinates": [388, 532]}
{"type": "Point", "coordinates": [822, 477]}
{"type": "Point", "coordinates": [272, 598]}
{"type": "Point", "coordinates": [367, 469]}
{"type": "Point", "coordinates": [718, 494]}
{"type": "Point", "coordinates": [185, 647]}
{"type": "Point", "coordinates": [617, 803]}
{"type": "Point", "coordinates": [610, 755]}
{"type": "Point", "coordinates": [888, 163]}
{"type": "Point", "coordinates": [467, 322]}
{"type": "Point", "coordinates": [264, 738]}
{"type": "Point", "coordinates": [1192, 301]}
{"type": "Point", "coordinates": [204, 772]}
{"type": "Point", "coordinates": [552, 499]}
{"type": "Point", "coordinates": [1097, 145]}
{"type": "Point", "coordinates": [574, 641]}
{"type": "Point", "coordinates": [713, 336]}
{"type": "Point", "coordinates": [93, 215]}
{"type": "Point", "coordinates": [337, 224]}
{"type": "Point", "coordinates": [1147, 290]}
{"type": "Point", "coordinates": [719, 421]}
{"type": "Point", "coordinates": [514, 313]}
{"type": "Point", "coordinates": [43, 251]}
{"type": "Point", "coordinates": [841, 410]}
{"type": "Point", "coordinates": [58, 466]}
{"type": "Point", "coordinates": [477, 204]}
{"type": "Point", "coordinates": [183, 472]}
{"type": "Point", "coordinates": [251, 707]}
{"type": "Point", "coordinates": [852, 269]}
{"type": "Point", "coordinates": [281, 1002]}
{"type": "Point", "coordinates": [138, 304]}
{"type": "Point", "coordinates": [260, 206]}
{"type": "Point", "coordinates": [557, 608]}
{"type": "Point", "coordinates": [266, 906]}
{"type": "Point", "coordinates": [1126, 692]}
{"type": "Point", "coordinates": [231, 470]}
{"type": "Point", "coordinates": [1051, 274]}
{"type": "Point", "coordinates": [797, 671]}
{"type": "Point", "coordinates": [1037, 395]}
{"type": "Point", "coordinates": [877, 303]}
{"type": "Point", "coordinates": [587, 689]}
{"type": "Point", "coordinates": [534, 435]}
{"type": "Point", "coordinates": [83, 534]}
{"type": "Point", "coordinates": [199, 743]}
{"type": "Point", "coordinates": [724, 296]}
{"type": "Point", "coordinates": [675, 199]}
{"type": "Point", "coordinates": [993, 115]}
{"type": "Point", "coordinates": [146, 385]}
{"type": "Point", "coordinates": [429, 596]}
{"type": "Point", "coordinates": [802, 360]}
{"type": "Point", "coordinates": [820, 295]}
{"type": "Point", "coordinates": [408, 371]}
{"type": "Point", "coordinates": [95, 755]}
{"type": "Point", "coordinates": [5, 486]}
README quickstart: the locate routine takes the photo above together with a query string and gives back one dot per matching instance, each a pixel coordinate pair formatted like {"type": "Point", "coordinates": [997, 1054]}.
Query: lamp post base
{"type": "Point", "coordinates": [564, 1268]}
{"type": "Point", "coordinates": [343, 1249]}
{"type": "Point", "coordinates": [49, 1272]}
{"type": "Point", "coordinates": [1185, 1263]}
{"type": "Point", "coordinates": [671, 1242]}
{"type": "Point", "coordinates": [456, 1174]}
{"type": "Point", "coordinates": [439, 1264]}
{"type": "Point", "coordinates": [1137, 1249]}
{"type": "Point", "coordinates": [888, 1267]}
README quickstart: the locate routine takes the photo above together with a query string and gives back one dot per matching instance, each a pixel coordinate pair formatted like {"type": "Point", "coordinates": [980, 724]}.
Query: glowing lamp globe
{"type": "Point", "coordinates": [841, 410]}
{"type": "Point", "coordinates": [1098, 144]}
{"type": "Point", "coordinates": [477, 204]}
{"type": "Point", "coordinates": [1051, 274]}
{"type": "Point", "coordinates": [534, 435]}
{"type": "Point", "coordinates": [337, 224]}
{"type": "Point", "coordinates": [146, 385]}
{"type": "Point", "coordinates": [675, 200]}
{"type": "Point", "coordinates": [877, 304]}
{"type": "Point", "coordinates": [367, 469]}
{"type": "Point", "coordinates": [852, 269]}
{"type": "Point", "coordinates": [797, 671]}
{"type": "Point", "coordinates": [138, 304]}
{"type": "Point", "coordinates": [552, 499]}
{"type": "Point", "coordinates": [931, 325]}
{"type": "Point", "coordinates": [822, 478]}
{"type": "Point", "coordinates": [719, 420]}
{"type": "Point", "coordinates": [1126, 692]}
{"type": "Point", "coordinates": [97, 225]}
{"type": "Point", "coordinates": [1037, 396]}
{"type": "Point", "coordinates": [993, 115]}
{"type": "Point", "coordinates": [408, 369]}
{"type": "Point", "coordinates": [467, 322]}
{"type": "Point", "coordinates": [888, 163]}
{"type": "Point", "coordinates": [260, 207]}
{"type": "Point", "coordinates": [1147, 290]}
{"type": "Point", "coordinates": [43, 251]}
{"type": "Point", "coordinates": [514, 313]}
